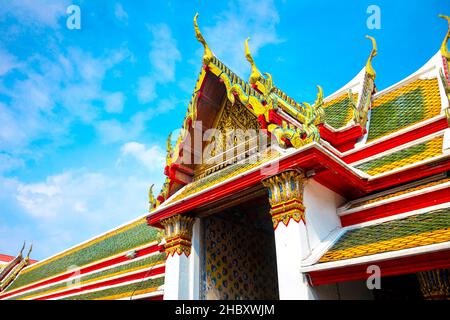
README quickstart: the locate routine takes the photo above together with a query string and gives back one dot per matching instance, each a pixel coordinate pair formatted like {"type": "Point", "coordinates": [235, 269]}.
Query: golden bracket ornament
{"type": "Point", "coordinates": [310, 118]}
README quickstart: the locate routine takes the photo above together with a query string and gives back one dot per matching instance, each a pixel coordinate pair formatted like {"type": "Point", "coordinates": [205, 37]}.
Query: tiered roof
{"type": "Point", "coordinates": [418, 230]}
{"type": "Point", "coordinates": [123, 263]}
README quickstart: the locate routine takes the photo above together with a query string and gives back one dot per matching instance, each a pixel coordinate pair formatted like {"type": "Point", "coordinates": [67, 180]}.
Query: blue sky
{"type": "Point", "coordinates": [84, 114]}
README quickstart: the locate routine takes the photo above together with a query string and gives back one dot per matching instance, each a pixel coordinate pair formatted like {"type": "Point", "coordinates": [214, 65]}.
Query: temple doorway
{"type": "Point", "coordinates": [401, 287]}
{"type": "Point", "coordinates": [238, 253]}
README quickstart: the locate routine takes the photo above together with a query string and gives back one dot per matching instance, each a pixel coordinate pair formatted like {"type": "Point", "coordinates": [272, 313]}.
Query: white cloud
{"type": "Point", "coordinates": [163, 57]}
{"type": "Point", "coordinates": [114, 102]}
{"type": "Point", "coordinates": [153, 157]}
{"type": "Point", "coordinates": [111, 131]}
{"type": "Point", "coordinates": [243, 19]}
{"type": "Point", "coordinates": [146, 89]}
{"type": "Point", "coordinates": [53, 93]}
{"type": "Point", "coordinates": [8, 162]}
{"type": "Point", "coordinates": [36, 13]}
{"type": "Point", "coordinates": [8, 62]}
{"type": "Point", "coordinates": [58, 193]}
{"type": "Point", "coordinates": [74, 205]}
{"type": "Point", "coordinates": [120, 13]}
{"type": "Point", "coordinates": [164, 53]}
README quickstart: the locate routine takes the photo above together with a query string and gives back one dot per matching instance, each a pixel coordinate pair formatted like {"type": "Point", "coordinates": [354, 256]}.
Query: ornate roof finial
{"type": "Point", "coordinates": [369, 69]}
{"type": "Point", "coordinates": [169, 150]}
{"type": "Point", "coordinates": [318, 106]}
{"type": "Point", "coordinates": [444, 50]}
{"type": "Point", "coordinates": [21, 250]}
{"type": "Point", "coordinates": [207, 54]}
{"type": "Point", "coordinates": [255, 75]}
{"type": "Point", "coordinates": [151, 199]}
{"type": "Point", "coordinates": [27, 258]}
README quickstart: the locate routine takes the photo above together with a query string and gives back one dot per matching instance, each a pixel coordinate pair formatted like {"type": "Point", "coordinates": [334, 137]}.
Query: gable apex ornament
{"type": "Point", "coordinates": [369, 68]}
{"type": "Point", "coordinates": [207, 53]}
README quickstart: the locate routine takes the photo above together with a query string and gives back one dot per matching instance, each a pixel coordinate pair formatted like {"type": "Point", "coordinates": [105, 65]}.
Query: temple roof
{"type": "Point", "coordinates": [408, 155]}
{"type": "Point", "coordinates": [414, 231]}
{"type": "Point", "coordinates": [353, 117]}
{"type": "Point", "coordinates": [405, 190]}
{"type": "Point", "coordinates": [126, 250]}
{"type": "Point", "coordinates": [408, 102]}
{"type": "Point", "coordinates": [339, 111]}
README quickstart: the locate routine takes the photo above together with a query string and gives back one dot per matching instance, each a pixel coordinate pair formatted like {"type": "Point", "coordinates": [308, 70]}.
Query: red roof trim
{"type": "Point", "coordinates": [84, 270]}
{"type": "Point", "coordinates": [398, 266]}
{"type": "Point", "coordinates": [329, 172]}
{"type": "Point", "coordinates": [6, 258]}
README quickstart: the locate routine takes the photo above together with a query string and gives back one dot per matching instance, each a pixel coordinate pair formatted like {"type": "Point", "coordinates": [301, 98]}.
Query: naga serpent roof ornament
{"type": "Point", "coordinates": [255, 74]}
{"type": "Point", "coordinates": [369, 69]}
{"type": "Point", "coordinates": [207, 54]}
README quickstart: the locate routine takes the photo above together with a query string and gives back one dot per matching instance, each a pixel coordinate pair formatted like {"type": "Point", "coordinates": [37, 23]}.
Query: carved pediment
{"type": "Point", "coordinates": [233, 138]}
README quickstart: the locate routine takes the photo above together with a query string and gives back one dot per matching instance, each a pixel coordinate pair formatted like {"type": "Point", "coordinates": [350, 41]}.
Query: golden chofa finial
{"type": "Point", "coordinates": [444, 49]}
{"type": "Point", "coordinates": [169, 150]}
{"type": "Point", "coordinates": [21, 250]}
{"type": "Point", "coordinates": [27, 258]}
{"type": "Point", "coordinates": [151, 199]}
{"type": "Point", "coordinates": [369, 69]}
{"type": "Point", "coordinates": [255, 75]}
{"type": "Point", "coordinates": [207, 54]}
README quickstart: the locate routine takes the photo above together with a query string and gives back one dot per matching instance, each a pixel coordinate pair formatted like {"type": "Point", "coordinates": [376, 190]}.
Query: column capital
{"type": "Point", "coordinates": [286, 196]}
{"type": "Point", "coordinates": [178, 234]}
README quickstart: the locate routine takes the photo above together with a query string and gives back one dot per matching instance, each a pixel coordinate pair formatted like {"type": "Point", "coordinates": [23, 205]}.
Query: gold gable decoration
{"type": "Point", "coordinates": [238, 129]}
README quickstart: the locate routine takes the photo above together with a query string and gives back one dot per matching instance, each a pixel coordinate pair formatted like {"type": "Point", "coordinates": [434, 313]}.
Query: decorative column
{"type": "Point", "coordinates": [178, 236]}
{"type": "Point", "coordinates": [291, 239]}
{"type": "Point", "coordinates": [435, 284]}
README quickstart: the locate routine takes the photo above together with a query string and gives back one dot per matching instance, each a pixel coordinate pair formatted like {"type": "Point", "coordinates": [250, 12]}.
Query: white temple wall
{"type": "Point", "coordinates": [321, 216]}
{"type": "Point", "coordinates": [182, 275]}
{"type": "Point", "coordinates": [194, 262]}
